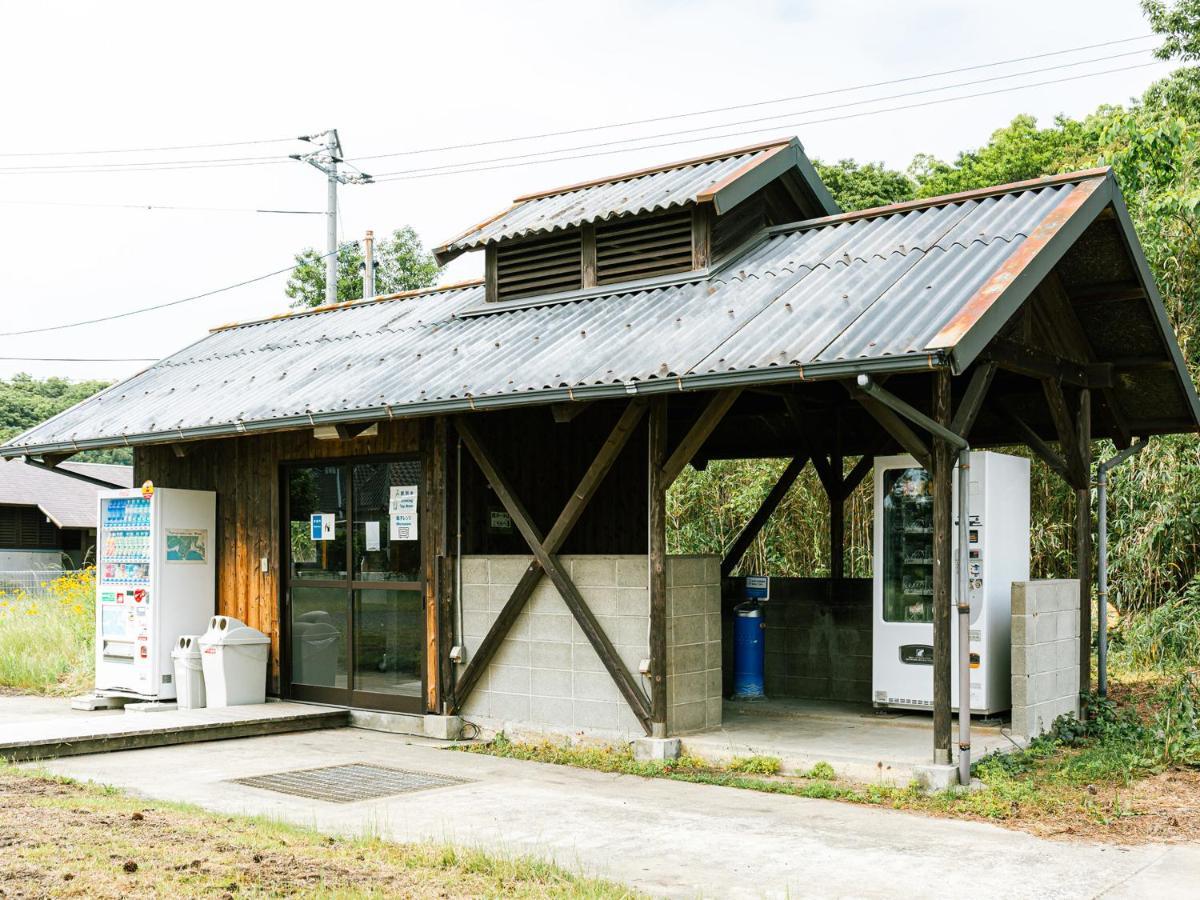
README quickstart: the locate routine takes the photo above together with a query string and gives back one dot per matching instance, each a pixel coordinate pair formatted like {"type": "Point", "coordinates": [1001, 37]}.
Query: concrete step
{"type": "Point", "coordinates": [47, 737]}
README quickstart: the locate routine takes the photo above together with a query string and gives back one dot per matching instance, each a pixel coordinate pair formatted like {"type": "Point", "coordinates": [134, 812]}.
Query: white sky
{"type": "Point", "coordinates": [401, 76]}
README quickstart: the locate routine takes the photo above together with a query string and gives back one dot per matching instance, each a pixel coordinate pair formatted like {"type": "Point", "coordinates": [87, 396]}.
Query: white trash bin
{"type": "Point", "coordinates": [189, 676]}
{"type": "Point", "coordinates": [234, 659]}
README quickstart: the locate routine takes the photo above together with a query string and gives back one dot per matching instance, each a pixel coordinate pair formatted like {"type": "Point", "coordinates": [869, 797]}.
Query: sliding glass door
{"type": "Point", "coordinates": [354, 590]}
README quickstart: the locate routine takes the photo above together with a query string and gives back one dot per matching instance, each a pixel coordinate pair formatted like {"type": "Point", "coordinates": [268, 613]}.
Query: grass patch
{"type": "Point", "coordinates": [46, 643]}
{"type": "Point", "coordinates": [60, 837]}
{"type": "Point", "coordinates": [1108, 777]}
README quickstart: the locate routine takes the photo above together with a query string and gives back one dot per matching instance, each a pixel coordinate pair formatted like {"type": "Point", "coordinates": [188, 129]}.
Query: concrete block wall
{"type": "Point", "coordinates": [693, 643]}
{"type": "Point", "coordinates": [547, 678]}
{"type": "Point", "coordinates": [1045, 653]}
{"type": "Point", "coordinates": [818, 640]}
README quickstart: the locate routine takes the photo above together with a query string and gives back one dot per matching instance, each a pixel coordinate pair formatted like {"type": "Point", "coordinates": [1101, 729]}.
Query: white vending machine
{"type": "Point", "coordinates": [155, 581]}
{"type": "Point", "coordinates": [998, 531]}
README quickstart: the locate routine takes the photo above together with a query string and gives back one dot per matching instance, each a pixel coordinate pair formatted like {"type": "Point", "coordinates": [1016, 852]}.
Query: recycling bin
{"type": "Point", "coordinates": [234, 660]}
{"type": "Point", "coordinates": [315, 646]}
{"type": "Point", "coordinates": [189, 675]}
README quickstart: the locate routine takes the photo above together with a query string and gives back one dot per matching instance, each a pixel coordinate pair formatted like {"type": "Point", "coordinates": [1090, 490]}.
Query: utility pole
{"type": "Point", "coordinates": [369, 265]}
{"type": "Point", "coordinates": [327, 158]}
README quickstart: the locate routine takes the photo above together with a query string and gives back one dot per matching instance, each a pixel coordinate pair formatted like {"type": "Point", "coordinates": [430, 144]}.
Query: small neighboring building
{"type": "Point", "coordinates": [48, 520]}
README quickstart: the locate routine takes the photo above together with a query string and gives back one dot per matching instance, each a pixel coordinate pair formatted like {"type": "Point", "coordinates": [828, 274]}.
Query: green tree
{"type": "Point", "coordinates": [401, 264]}
{"type": "Point", "coordinates": [26, 401]}
{"type": "Point", "coordinates": [1179, 24]}
{"type": "Point", "coordinates": [864, 185]}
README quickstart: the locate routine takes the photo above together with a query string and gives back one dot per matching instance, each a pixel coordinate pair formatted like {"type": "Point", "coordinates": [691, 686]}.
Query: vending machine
{"type": "Point", "coordinates": [155, 581]}
{"type": "Point", "coordinates": [998, 534]}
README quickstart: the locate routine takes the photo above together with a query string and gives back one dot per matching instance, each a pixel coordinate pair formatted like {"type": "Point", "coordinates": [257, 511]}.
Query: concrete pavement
{"type": "Point", "coordinates": [664, 837]}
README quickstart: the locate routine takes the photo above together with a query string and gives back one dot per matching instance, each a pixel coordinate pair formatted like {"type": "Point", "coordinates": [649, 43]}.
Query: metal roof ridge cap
{"type": "Point", "coordinates": [350, 304]}
{"type": "Point", "coordinates": [943, 200]}
{"type": "Point", "coordinates": [651, 170]}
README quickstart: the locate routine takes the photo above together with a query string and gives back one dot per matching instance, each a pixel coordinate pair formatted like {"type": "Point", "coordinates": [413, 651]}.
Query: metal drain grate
{"type": "Point", "coordinates": [349, 783]}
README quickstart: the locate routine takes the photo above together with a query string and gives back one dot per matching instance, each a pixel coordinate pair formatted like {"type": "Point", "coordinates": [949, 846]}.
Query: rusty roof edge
{"type": "Point", "coordinates": [664, 167]}
{"type": "Point", "coordinates": [822, 371]}
{"type": "Point", "coordinates": [982, 315]}
{"type": "Point", "coordinates": [943, 200]}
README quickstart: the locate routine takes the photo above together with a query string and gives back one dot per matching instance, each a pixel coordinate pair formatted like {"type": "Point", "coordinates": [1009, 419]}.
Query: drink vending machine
{"type": "Point", "coordinates": [155, 581]}
{"type": "Point", "coordinates": [998, 535]}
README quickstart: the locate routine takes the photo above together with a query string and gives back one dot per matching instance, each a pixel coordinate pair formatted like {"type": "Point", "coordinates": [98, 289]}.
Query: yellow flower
{"type": "Point", "coordinates": [78, 609]}
{"type": "Point", "coordinates": [32, 611]}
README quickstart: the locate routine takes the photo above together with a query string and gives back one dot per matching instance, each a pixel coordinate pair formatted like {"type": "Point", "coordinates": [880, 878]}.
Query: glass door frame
{"type": "Point", "coordinates": [347, 696]}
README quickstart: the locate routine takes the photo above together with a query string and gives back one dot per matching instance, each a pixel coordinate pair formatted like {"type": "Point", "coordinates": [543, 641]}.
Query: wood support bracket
{"type": "Point", "coordinates": [709, 419]}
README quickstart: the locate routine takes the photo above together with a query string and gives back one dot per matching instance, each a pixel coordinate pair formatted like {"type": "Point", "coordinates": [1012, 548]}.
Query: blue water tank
{"type": "Point", "coordinates": [749, 651]}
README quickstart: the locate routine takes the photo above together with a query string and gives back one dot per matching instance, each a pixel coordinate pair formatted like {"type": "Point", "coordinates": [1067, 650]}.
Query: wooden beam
{"type": "Point", "coordinates": [737, 549]}
{"type": "Point", "coordinates": [1043, 450]}
{"type": "Point", "coordinates": [1064, 425]}
{"type": "Point", "coordinates": [657, 550]}
{"type": "Point", "coordinates": [587, 234]}
{"type": "Point", "coordinates": [709, 419]}
{"type": "Point", "coordinates": [1083, 539]}
{"type": "Point", "coordinates": [942, 476]}
{"type": "Point", "coordinates": [831, 481]}
{"type": "Point", "coordinates": [491, 276]}
{"type": "Point", "coordinates": [549, 562]}
{"type": "Point", "coordinates": [837, 504]}
{"type": "Point", "coordinates": [1023, 360]}
{"type": "Point", "coordinates": [701, 235]}
{"type": "Point", "coordinates": [1107, 293]}
{"type": "Point", "coordinates": [972, 401]}
{"type": "Point", "coordinates": [897, 428]}
{"type": "Point", "coordinates": [861, 469]}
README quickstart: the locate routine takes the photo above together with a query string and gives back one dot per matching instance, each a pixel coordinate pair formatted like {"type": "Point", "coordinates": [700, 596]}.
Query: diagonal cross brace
{"type": "Point", "coordinates": [546, 560]}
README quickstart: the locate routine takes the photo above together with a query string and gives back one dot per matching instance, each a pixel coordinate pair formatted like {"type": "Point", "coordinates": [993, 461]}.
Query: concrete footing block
{"type": "Point", "coordinates": [443, 728]}
{"type": "Point", "coordinates": [151, 706]}
{"type": "Point", "coordinates": [935, 778]}
{"type": "Point", "coordinates": [93, 702]}
{"type": "Point", "coordinates": [648, 749]}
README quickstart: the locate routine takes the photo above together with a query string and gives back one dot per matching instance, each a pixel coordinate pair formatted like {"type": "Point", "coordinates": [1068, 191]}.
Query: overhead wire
{"type": "Point", "coordinates": [468, 167]}
{"type": "Point", "coordinates": [164, 206]}
{"type": "Point", "coordinates": [80, 359]}
{"type": "Point", "coordinates": [769, 118]}
{"type": "Point", "coordinates": [157, 306]}
{"type": "Point", "coordinates": [40, 153]}
{"type": "Point", "coordinates": [753, 104]}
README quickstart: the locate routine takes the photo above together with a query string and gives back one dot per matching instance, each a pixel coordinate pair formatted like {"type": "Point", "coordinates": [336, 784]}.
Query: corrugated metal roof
{"type": "Point", "coordinates": [68, 502]}
{"type": "Point", "coordinates": [646, 191]}
{"type": "Point", "coordinates": [857, 292]}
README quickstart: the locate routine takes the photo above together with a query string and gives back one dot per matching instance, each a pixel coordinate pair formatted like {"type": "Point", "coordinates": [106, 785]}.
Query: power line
{"type": "Point", "coordinates": [737, 106]}
{"type": "Point", "coordinates": [157, 306]}
{"type": "Point", "coordinates": [159, 165]}
{"type": "Point", "coordinates": [80, 359]}
{"type": "Point", "coordinates": [769, 118]}
{"type": "Point", "coordinates": [163, 206]}
{"type": "Point", "coordinates": [150, 149]}
{"type": "Point", "coordinates": [413, 174]}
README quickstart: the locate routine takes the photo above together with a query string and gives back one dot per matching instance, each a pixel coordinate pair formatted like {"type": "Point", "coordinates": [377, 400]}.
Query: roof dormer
{"type": "Point", "coordinates": [647, 224]}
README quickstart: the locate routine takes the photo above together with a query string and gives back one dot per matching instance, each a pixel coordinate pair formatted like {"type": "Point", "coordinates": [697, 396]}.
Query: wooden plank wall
{"type": "Point", "coordinates": [244, 471]}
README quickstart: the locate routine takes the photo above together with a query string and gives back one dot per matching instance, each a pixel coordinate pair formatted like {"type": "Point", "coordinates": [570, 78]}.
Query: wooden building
{"type": "Point", "coordinates": [720, 307]}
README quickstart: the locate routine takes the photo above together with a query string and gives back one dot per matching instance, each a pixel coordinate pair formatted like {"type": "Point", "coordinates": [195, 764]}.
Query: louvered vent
{"type": "Point", "coordinates": [641, 247]}
{"type": "Point", "coordinates": [541, 266]}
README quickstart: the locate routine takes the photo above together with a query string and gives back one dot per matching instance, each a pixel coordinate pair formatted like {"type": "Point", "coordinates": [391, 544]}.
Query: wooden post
{"type": "Point", "coordinates": [837, 508]}
{"type": "Point", "coordinates": [943, 492]}
{"type": "Point", "coordinates": [658, 567]}
{"type": "Point", "coordinates": [1083, 538]}
{"type": "Point", "coordinates": [433, 435]}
